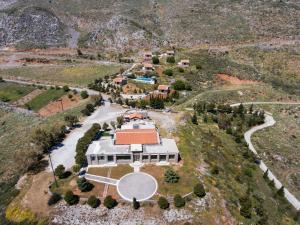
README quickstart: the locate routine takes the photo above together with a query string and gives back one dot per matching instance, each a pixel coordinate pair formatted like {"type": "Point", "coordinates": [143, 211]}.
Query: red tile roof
{"type": "Point", "coordinates": [163, 87]}
{"type": "Point", "coordinates": [136, 136]}
{"type": "Point", "coordinates": [135, 115]}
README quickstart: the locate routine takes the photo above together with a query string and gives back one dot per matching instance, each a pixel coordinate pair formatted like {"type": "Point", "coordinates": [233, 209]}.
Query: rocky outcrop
{"type": "Point", "coordinates": [31, 26]}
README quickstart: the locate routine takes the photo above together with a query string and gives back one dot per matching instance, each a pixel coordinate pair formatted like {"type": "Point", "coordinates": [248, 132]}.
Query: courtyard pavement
{"type": "Point", "coordinates": [65, 154]}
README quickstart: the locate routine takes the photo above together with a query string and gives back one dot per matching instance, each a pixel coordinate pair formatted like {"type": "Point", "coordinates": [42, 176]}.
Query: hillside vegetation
{"type": "Point", "coordinates": [136, 23]}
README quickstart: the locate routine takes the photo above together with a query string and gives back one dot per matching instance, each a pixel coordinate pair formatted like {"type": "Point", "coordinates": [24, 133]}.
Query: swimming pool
{"type": "Point", "coordinates": [145, 80]}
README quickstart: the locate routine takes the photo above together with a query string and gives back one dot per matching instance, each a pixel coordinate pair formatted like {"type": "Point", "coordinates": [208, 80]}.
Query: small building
{"type": "Point", "coordinates": [133, 142]}
{"type": "Point", "coordinates": [184, 63]}
{"type": "Point", "coordinates": [147, 56]}
{"type": "Point", "coordinates": [163, 88]}
{"type": "Point", "coordinates": [148, 67]}
{"type": "Point", "coordinates": [120, 81]}
{"type": "Point", "coordinates": [133, 116]}
{"type": "Point", "coordinates": [170, 53]}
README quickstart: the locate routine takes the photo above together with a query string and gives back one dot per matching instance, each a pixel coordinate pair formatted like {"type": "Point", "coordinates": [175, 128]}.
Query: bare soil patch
{"type": "Point", "coordinates": [234, 80]}
{"type": "Point", "coordinates": [37, 196]}
{"type": "Point", "coordinates": [57, 106]}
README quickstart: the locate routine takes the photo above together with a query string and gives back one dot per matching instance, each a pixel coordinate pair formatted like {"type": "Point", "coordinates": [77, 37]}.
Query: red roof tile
{"type": "Point", "coordinates": [136, 136]}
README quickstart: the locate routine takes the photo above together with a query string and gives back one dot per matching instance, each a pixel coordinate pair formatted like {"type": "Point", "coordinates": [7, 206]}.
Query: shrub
{"type": "Point", "coordinates": [170, 59]}
{"type": "Point", "coordinates": [70, 96]}
{"type": "Point", "coordinates": [171, 176]}
{"type": "Point", "coordinates": [135, 204]}
{"type": "Point", "coordinates": [66, 88]}
{"type": "Point", "coordinates": [155, 60]}
{"type": "Point", "coordinates": [1, 80]}
{"type": "Point", "coordinates": [93, 201]}
{"type": "Point", "coordinates": [168, 72]}
{"type": "Point", "coordinates": [109, 202]}
{"type": "Point", "coordinates": [55, 197]}
{"type": "Point", "coordinates": [86, 112]}
{"type": "Point", "coordinates": [84, 185]}
{"type": "Point", "coordinates": [180, 70]}
{"type": "Point", "coordinates": [163, 203]}
{"type": "Point", "coordinates": [194, 119]}
{"type": "Point", "coordinates": [70, 198]}
{"type": "Point", "coordinates": [59, 171]}
{"type": "Point", "coordinates": [71, 120]}
{"type": "Point", "coordinates": [84, 94]}
{"type": "Point", "coordinates": [198, 67]}
{"type": "Point", "coordinates": [246, 207]}
{"type": "Point", "coordinates": [179, 201]}
{"type": "Point", "coordinates": [199, 190]}
{"type": "Point", "coordinates": [280, 192]}
{"type": "Point", "coordinates": [179, 85]}
{"type": "Point", "coordinates": [90, 107]}
{"type": "Point", "coordinates": [76, 168]}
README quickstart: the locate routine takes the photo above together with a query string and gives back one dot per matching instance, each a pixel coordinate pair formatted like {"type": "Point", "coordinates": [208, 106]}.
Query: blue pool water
{"type": "Point", "coordinates": [145, 80]}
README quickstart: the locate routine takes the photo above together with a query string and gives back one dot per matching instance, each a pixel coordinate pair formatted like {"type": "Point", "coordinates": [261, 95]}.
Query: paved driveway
{"type": "Point", "coordinates": [65, 154]}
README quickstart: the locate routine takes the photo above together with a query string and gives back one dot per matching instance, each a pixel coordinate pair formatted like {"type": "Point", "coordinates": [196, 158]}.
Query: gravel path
{"type": "Point", "coordinates": [269, 121]}
{"type": "Point", "coordinates": [65, 154]}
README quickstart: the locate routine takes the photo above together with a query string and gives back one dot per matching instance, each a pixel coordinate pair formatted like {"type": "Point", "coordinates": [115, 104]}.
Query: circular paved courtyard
{"type": "Point", "coordinates": [141, 186]}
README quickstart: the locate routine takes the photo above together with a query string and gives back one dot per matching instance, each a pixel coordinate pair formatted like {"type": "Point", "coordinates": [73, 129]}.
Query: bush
{"type": "Point", "coordinates": [246, 207]}
{"type": "Point", "coordinates": [70, 198]}
{"type": "Point", "coordinates": [76, 168]}
{"type": "Point", "coordinates": [109, 202]}
{"type": "Point", "coordinates": [135, 204]}
{"type": "Point", "coordinates": [84, 94]}
{"type": "Point", "coordinates": [199, 190]}
{"type": "Point", "coordinates": [171, 176]}
{"type": "Point", "coordinates": [168, 72]}
{"type": "Point", "coordinates": [84, 185]}
{"type": "Point", "coordinates": [66, 88]}
{"type": "Point", "coordinates": [155, 60]}
{"type": "Point", "coordinates": [179, 85]}
{"type": "Point", "coordinates": [180, 70]}
{"type": "Point", "coordinates": [59, 171]}
{"type": "Point", "coordinates": [93, 201]}
{"type": "Point", "coordinates": [179, 201]}
{"type": "Point", "coordinates": [55, 197]}
{"type": "Point", "coordinates": [170, 59]}
{"type": "Point", "coordinates": [163, 203]}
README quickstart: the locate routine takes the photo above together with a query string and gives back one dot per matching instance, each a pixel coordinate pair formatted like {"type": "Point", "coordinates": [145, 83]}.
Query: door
{"type": "Point", "coordinates": [136, 157]}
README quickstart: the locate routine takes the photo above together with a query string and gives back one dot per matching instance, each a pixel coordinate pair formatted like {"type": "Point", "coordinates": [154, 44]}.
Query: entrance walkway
{"type": "Point", "coordinates": [105, 180]}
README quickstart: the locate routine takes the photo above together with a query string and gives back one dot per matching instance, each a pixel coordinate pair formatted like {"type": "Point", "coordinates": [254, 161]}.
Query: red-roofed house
{"type": "Point", "coordinates": [163, 88]}
{"type": "Point", "coordinates": [120, 81]}
{"type": "Point", "coordinates": [135, 141]}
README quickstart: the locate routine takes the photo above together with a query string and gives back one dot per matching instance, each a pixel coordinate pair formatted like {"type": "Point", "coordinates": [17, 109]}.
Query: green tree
{"type": "Point", "coordinates": [194, 119]}
{"type": "Point", "coordinates": [179, 201]}
{"type": "Point", "coordinates": [171, 176]}
{"type": "Point", "coordinates": [105, 126]}
{"type": "Point", "coordinates": [171, 59]}
{"type": "Point", "coordinates": [163, 203]}
{"type": "Point", "coordinates": [70, 198]}
{"type": "Point", "coordinates": [76, 168]}
{"type": "Point", "coordinates": [168, 72]}
{"type": "Point", "coordinates": [84, 94]}
{"type": "Point", "coordinates": [55, 197]}
{"type": "Point", "coordinates": [246, 207]}
{"type": "Point", "coordinates": [93, 201]}
{"type": "Point", "coordinates": [135, 204]}
{"type": "Point", "coordinates": [155, 60]}
{"type": "Point", "coordinates": [265, 176]}
{"type": "Point", "coordinates": [59, 171]}
{"type": "Point", "coordinates": [71, 120]}
{"type": "Point", "coordinates": [109, 202]}
{"type": "Point", "coordinates": [179, 85]}
{"type": "Point", "coordinates": [199, 190]}
{"type": "Point", "coordinates": [280, 192]}
{"type": "Point", "coordinates": [66, 88]}
{"type": "Point", "coordinates": [84, 185]}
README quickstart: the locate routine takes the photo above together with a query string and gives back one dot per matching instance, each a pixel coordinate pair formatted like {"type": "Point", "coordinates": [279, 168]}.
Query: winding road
{"type": "Point", "coordinates": [269, 121]}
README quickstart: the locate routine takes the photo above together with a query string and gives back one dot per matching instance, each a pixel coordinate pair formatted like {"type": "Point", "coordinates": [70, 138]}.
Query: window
{"type": "Point", "coordinates": [93, 158]}
{"type": "Point", "coordinates": [171, 156]}
{"type": "Point", "coordinates": [145, 157]}
{"type": "Point", "coordinates": [110, 158]}
{"type": "Point", "coordinates": [162, 157]}
{"type": "Point", "coordinates": [101, 157]}
{"type": "Point", "coordinates": [123, 157]}
{"type": "Point", "coordinates": [153, 156]}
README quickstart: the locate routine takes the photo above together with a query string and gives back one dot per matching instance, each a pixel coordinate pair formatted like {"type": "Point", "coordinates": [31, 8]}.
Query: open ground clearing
{"type": "Point", "coordinates": [79, 75]}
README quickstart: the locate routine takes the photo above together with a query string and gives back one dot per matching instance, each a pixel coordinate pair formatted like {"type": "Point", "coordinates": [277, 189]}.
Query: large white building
{"type": "Point", "coordinates": [135, 141]}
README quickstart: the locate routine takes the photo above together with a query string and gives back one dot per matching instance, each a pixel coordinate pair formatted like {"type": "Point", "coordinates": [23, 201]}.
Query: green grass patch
{"type": "Point", "coordinates": [44, 98]}
{"type": "Point", "coordinates": [70, 75]}
{"type": "Point", "coordinates": [10, 92]}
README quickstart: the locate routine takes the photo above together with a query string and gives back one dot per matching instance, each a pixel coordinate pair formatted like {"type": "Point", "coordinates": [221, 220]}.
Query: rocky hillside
{"type": "Point", "coordinates": [142, 23]}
